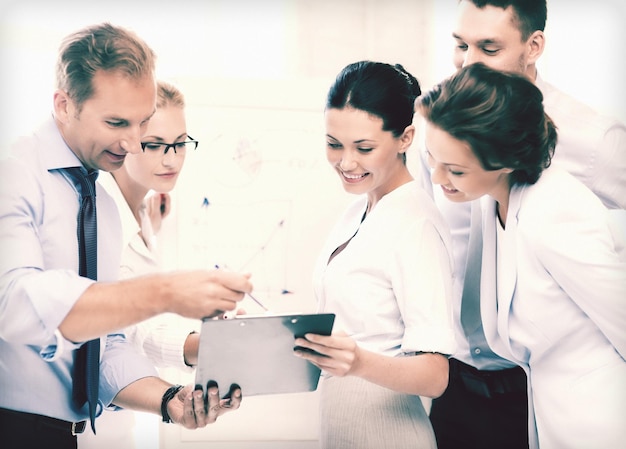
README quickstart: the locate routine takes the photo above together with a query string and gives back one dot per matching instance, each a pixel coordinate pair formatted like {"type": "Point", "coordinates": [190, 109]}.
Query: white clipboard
{"type": "Point", "coordinates": [256, 353]}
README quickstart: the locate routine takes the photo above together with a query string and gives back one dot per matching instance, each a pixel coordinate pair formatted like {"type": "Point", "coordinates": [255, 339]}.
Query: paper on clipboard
{"type": "Point", "coordinates": [256, 353]}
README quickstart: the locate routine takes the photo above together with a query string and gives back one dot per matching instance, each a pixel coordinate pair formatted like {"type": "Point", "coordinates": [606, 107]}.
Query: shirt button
{"type": "Point", "coordinates": [477, 351]}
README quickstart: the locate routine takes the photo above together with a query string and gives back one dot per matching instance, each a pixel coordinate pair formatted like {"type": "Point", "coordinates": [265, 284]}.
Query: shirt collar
{"type": "Point", "coordinates": [57, 154]}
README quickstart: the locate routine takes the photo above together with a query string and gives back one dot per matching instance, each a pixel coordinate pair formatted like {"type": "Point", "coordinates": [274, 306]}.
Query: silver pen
{"type": "Point", "coordinates": [258, 302]}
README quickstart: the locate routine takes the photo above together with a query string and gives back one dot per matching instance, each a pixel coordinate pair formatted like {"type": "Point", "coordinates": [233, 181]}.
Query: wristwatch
{"type": "Point", "coordinates": [167, 397]}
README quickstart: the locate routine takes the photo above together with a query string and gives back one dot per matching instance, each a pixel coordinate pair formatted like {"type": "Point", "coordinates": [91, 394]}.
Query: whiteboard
{"type": "Point", "coordinates": [258, 196]}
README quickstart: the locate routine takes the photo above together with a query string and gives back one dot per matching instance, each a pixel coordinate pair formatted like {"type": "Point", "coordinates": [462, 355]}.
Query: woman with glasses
{"type": "Point", "coordinates": [141, 190]}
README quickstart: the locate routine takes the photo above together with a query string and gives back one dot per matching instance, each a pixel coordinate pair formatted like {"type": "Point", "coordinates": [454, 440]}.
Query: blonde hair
{"type": "Point", "coordinates": [169, 95]}
{"type": "Point", "coordinates": [100, 47]}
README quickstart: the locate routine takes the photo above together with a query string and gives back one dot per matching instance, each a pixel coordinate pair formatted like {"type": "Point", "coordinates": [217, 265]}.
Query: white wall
{"type": "Point", "coordinates": [296, 39]}
{"type": "Point", "coordinates": [255, 74]}
{"type": "Point", "coordinates": [586, 52]}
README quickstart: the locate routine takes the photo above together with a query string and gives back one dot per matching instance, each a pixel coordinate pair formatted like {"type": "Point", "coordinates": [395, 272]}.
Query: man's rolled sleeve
{"type": "Point", "coordinates": [120, 366]}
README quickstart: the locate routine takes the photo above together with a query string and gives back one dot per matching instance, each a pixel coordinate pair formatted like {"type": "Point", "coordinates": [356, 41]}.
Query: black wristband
{"type": "Point", "coordinates": [167, 397]}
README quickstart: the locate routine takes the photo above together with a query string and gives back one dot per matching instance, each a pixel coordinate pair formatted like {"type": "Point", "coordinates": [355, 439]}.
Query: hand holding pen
{"type": "Point", "coordinates": [202, 293]}
{"type": "Point", "coordinates": [249, 295]}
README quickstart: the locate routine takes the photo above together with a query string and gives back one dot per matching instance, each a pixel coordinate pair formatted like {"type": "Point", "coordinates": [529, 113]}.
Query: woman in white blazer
{"type": "Point", "coordinates": [553, 278]}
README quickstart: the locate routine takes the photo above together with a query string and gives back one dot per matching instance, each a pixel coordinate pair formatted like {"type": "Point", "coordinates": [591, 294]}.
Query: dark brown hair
{"type": "Point", "coordinates": [499, 115]}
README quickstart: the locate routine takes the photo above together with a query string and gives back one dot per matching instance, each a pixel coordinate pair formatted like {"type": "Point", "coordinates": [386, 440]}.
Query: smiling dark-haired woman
{"type": "Point", "coordinates": [385, 271]}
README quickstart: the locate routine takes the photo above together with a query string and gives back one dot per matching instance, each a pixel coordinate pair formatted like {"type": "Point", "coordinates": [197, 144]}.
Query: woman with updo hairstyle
{"type": "Point", "coordinates": [553, 276]}
{"type": "Point", "coordinates": [385, 271]}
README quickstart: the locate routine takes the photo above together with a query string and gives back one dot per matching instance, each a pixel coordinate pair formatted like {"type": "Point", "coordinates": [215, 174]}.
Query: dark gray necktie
{"type": "Point", "coordinates": [470, 302]}
{"type": "Point", "coordinates": [87, 359]}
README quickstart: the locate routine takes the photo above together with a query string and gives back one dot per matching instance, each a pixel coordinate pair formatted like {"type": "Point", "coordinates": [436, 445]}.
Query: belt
{"type": "Point", "coordinates": [489, 383]}
{"type": "Point", "coordinates": [73, 428]}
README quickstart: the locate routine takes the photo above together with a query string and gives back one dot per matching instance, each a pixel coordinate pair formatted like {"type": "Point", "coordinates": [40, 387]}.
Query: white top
{"type": "Point", "coordinates": [391, 286]}
{"type": "Point", "coordinates": [162, 337]}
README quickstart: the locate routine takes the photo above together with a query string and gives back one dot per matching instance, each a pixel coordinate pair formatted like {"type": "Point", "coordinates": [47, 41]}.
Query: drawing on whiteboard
{"type": "Point", "coordinates": [259, 200]}
{"type": "Point", "coordinates": [247, 236]}
{"type": "Point", "coordinates": [237, 160]}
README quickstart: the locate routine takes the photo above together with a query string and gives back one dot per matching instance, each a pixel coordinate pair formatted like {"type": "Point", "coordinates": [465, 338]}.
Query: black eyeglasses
{"type": "Point", "coordinates": [163, 148]}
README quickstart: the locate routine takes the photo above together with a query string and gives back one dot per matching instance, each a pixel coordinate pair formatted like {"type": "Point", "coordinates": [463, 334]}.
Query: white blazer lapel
{"type": "Point", "coordinates": [495, 308]}
{"type": "Point", "coordinates": [507, 276]}
{"type": "Point", "coordinates": [507, 267]}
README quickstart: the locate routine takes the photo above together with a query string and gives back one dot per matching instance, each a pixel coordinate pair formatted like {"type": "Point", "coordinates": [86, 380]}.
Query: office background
{"type": "Point", "coordinates": [258, 194]}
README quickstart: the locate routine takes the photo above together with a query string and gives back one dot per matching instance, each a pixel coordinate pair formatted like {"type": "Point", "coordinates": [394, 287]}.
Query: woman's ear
{"type": "Point", "coordinates": [406, 139]}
